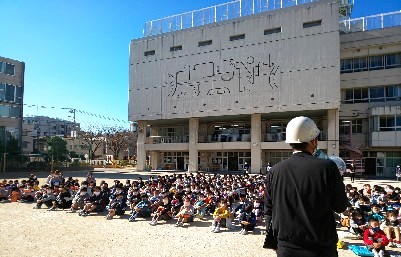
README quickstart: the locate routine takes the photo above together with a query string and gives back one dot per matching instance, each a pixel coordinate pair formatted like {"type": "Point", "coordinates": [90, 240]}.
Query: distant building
{"type": "Point", "coordinates": [11, 102]}
{"type": "Point", "coordinates": [46, 126]}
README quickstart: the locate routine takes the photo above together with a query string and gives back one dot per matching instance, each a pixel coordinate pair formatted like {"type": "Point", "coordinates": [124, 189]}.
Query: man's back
{"type": "Point", "coordinates": [305, 191]}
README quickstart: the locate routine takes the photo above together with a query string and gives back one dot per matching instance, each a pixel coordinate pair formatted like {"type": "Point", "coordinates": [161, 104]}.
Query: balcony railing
{"type": "Point", "coordinates": [221, 12]}
{"type": "Point", "coordinates": [224, 138]}
{"type": "Point", "coordinates": [380, 21]}
{"type": "Point", "coordinates": [168, 140]}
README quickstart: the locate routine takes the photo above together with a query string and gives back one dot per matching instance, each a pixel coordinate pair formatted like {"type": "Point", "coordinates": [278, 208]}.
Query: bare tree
{"type": "Point", "coordinates": [119, 140]}
{"type": "Point", "coordinates": [94, 138]}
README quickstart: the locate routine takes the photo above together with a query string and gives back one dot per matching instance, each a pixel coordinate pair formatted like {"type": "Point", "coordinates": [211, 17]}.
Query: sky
{"type": "Point", "coordinates": [76, 53]}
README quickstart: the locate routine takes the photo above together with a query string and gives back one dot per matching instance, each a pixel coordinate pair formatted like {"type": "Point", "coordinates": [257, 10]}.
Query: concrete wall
{"type": "Point", "coordinates": [287, 71]}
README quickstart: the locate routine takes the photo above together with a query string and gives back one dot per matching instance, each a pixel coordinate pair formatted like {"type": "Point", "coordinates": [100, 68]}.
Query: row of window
{"type": "Point", "coordinates": [10, 111]}
{"type": "Point", "coordinates": [386, 123]}
{"type": "Point", "coordinates": [7, 68]}
{"type": "Point", "coordinates": [373, 94]}
{"type": "Point", "coordinates": [10, 93]}
{"type": "Point", "coordinates": [375, 62]}
{"type": "Point", "coordinates": [237, 37]}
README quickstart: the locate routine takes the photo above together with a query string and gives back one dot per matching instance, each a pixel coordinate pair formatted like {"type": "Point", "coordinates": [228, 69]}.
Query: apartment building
{"type": "Point", "coordinates": [11, 102]}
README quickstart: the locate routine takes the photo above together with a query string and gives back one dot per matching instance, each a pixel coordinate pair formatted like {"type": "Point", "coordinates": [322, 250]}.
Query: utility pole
{"type": "Point", "coordinates": [73, 131]}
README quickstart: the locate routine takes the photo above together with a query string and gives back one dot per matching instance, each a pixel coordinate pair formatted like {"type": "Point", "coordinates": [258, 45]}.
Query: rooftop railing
{"type": "Point", "coordinates": [221, 12]}
{"type": "Point", "coordinates": [380, 21]}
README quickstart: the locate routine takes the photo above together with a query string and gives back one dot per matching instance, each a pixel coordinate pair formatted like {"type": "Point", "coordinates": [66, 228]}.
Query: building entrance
{"type": "Point", "coordinates": [180, 163]}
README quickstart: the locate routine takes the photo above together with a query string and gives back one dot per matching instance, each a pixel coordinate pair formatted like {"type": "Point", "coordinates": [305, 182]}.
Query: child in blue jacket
{"type": "Point", "coordinates": [142, 209]}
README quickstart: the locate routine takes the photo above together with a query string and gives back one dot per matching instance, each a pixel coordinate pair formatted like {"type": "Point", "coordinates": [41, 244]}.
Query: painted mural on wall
{"type": "Point", "coordinates": [222, 78]}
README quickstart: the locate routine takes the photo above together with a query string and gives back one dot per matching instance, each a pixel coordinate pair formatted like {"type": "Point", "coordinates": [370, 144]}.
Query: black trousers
{"type": "Point", "coordinates": [283, 251]}
{"type": "Point", "coordinates": [352, 176]}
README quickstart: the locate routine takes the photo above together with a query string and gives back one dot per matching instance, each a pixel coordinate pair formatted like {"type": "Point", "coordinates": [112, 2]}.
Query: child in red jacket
{"type": "Point", "coordinates": [374, 238]}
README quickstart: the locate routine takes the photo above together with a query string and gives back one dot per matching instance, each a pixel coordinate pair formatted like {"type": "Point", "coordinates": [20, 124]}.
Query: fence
{"type": "Point", "coordinates": [380, 21]}
{"type": "Point", "coordinates": [221, 12]}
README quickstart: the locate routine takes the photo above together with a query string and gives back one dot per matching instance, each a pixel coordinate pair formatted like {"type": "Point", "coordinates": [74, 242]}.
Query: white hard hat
{"type": "Point", "coordinates": [301, 130]}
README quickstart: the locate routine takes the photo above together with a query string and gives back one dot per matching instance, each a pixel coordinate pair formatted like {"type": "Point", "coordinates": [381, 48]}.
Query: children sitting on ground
{"type": "Point", "coordinates": [220, 213]}
{"type": "Point", "coordinates": [15, 194]}
{"type": "Point", "coordinates": [186, 213]}
{"type": "Point", "coordinates": [163, 211]}
{"type": "Point", "coordinates": [358, 223]}
{"type": "Point", "coordinates": [210, 204]}
{"type": "Point", "coordinates": [374, 238]}
{"type": "Point", "coordinates": [247, 220]}
{"type": "Point", "coordinates": [79, 199]}
{"type": "Point", "coordinates": [176, 204]}
{"type": "Point", "coordinates": [391, 226]}
{"type": "Point", "coordinates": [97, 202]}
{"type": "Point", "coordinates": [376, 213]}
{"type": "Point", "coordinates": [63, 200]}
{"type": "Point", "coordinates": [200, 206]}
{"type": "Point", "coordinates": [117, 206]}
{"type": "Point", "coordinates": [142, 209]}
{"type": "Point", "coordinates": [28, 194]}
{"type": "Point", "coordinates": [46, 198]}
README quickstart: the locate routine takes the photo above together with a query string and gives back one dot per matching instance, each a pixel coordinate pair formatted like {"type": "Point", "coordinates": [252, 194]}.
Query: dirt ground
{"type": "Point", "coordinates": [37, 232]}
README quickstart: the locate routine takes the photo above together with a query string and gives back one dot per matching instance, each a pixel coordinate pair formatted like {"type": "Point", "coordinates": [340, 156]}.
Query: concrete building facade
{"type": "Point", "coordinates": [11, 101]}
{"type": "Point", "coordinates": [370, 114]}
{"type": "Point", "coordinates": [220, 95]}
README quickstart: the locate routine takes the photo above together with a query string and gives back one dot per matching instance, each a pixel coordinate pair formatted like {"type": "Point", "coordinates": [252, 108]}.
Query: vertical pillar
{"type": "Point", "coordinates": [140, 148]}
{"type": "Point", "coordinates": [154, 155]}
{"type": "Point", "coordinates": [193, 144]}
{"type": "Point", "coordinates": [256, 131]}
{"type": "Point", "coordinates": [332, 132]}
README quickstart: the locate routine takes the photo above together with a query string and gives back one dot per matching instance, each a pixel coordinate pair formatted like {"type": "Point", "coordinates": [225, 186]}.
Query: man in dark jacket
{"type": "Point", "coordinates": [302, 194]}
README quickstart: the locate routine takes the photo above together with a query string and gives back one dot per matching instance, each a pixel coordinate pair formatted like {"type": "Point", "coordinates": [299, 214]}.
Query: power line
{"type": "Point", "coordinates": [73, 110]}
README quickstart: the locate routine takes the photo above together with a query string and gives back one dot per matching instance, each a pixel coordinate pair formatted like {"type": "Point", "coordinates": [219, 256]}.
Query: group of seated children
{"type": "Point", "coordinates": [374, 216]}
{"type": "Point", "coordinates": [181, 197]}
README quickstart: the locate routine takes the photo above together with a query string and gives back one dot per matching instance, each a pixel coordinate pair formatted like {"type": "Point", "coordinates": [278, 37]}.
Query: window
{"type": "Point", "coordinates": [360, 64]}
{"type": "Point", "coordinates": [175, 48]}
{"type": "Point", "coordinates": [312, 24]}
{"type": "Point", "coordinates": [361, 95]}
{"type": "Point", "coordinates": [272, 31]}
{"type": "Point", "coordinates": [346, 65]}
{"type": "Point", "coordinates": [393, 60]}
{"type": "Point", "coordinates": [7, 68]}
{"type": "Point", "coordinates": [237, 37]}
{"type": "Point", "coordinates": [276, 157]}
{"type": "Point", "coordinates": [4, 111]}
{"type": "Point", "coordinates": [18, 95]}
{"type": "Point", "coordinates": [149, 53]}
{"type": "Point", "coordinates": [393, 93]}
{"type": "Point", "coordinates": [349, 95]}
{"type": "Point", "coordinates": [10, 93]}
{"type": "Point", "coordinates": [376, 62]}
{"type": "Point", "coordinates": [205, 43]}
{"type": "Point", "coordinates": [2, 91]}
{"type": "Point", "coordinates": [357, 126]}
{"type": "Point", "coordinates": [15, 112]}
{"type": "Point", "coordinates": [376, 94]}
{"type": "Point", "coordinates": [387, 123]}
{"type": "Point", "coordinates": [393, 159]}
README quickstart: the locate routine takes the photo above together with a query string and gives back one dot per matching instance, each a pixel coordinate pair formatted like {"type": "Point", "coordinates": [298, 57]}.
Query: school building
{"type": "Point", "coordinates": [214, 89]}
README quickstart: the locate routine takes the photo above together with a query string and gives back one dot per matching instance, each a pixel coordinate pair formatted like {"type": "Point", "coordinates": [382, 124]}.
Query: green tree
{"type": "Point", "coordinates": [57, 148]}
